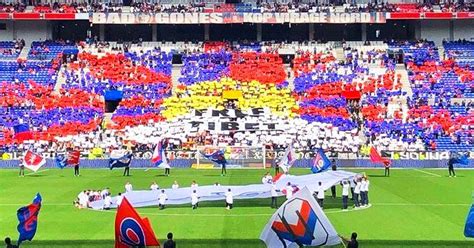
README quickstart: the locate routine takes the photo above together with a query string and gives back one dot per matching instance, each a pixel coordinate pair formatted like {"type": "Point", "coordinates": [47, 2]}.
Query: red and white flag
{"type": "Point", "coordinates": [33, 161]}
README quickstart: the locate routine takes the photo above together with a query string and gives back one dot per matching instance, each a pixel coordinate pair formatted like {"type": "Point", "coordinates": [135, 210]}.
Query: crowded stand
{"type": "Point", "coordinates": [142, 80]}
{"type": "Point", "coordinates": [48, 50]}
{"type": "Point", "coordinates": [11, 49]}
{"type": "Point", "coordinates": [435, 84]}
{"type": "Point", "coordinates": [259, 7]}
{"type": "Point", "coordinates": [321, 101]}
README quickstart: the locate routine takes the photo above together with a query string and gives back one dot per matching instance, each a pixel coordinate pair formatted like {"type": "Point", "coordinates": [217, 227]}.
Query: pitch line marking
{"type": "Point", "coordinates": [428, 173]}
{"type": "Point", "coordinates": [36, 172]}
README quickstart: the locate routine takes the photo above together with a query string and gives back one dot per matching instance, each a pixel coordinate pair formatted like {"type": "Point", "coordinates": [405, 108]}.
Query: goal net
{"type": "Point", "coordinates": [237, 157]}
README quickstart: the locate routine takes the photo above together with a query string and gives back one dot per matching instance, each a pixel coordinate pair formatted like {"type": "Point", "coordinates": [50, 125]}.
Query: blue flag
{"type": "Point", "coordinates": [462, 159]}
{"type": "Point", "coordinates": [28, 218]}
{"type": "Point", "coordinates": [469, 228]}
{"type": "Point", "coordinates": [120, 162]}
{"type": "Point", "coordinates": [61, 161]}
{"type": "Point", "coordinates": [320, 162]}
{"type": "Point", "coordinates": [216, 157]}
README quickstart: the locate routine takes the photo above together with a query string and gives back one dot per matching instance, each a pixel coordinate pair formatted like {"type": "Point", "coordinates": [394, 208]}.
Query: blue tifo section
{"type": "Point", "coordinates": [301, 163]}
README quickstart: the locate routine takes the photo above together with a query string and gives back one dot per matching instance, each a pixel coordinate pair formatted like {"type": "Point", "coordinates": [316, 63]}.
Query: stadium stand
{"type": "Point", "coordinates": [322, 101]}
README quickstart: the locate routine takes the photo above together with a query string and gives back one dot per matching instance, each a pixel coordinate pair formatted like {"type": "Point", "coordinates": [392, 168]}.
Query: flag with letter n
{"type": "Point", "coordinates": [299, 222]}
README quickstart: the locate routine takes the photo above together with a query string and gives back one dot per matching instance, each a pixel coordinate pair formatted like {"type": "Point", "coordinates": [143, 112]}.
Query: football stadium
{"type": "Point", "coordinates": [231, 123]}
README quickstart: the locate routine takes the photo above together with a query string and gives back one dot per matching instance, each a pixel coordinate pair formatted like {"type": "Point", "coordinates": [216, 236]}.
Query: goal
{"type": "Point", "coordinates": [237, 157]}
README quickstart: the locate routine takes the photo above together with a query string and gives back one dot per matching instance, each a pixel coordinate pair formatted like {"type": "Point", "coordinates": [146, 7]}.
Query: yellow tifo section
{"type": "Point", "coordinates": [209, 94]}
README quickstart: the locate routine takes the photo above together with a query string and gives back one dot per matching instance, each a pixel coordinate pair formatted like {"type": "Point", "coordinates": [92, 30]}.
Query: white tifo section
{"type": "Point", "coordinates": [287, 129]}
{"type": "Point", "coordinates": [146, 198]}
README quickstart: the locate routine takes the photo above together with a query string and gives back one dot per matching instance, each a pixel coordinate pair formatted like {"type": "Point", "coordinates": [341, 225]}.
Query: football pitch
{"type": "Point", "coordinates": [411, 208]}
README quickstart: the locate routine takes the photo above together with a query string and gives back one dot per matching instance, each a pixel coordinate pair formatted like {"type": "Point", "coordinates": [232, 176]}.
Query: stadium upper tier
{"type": "Point", "coordinates": [338, 98]}
{"type": "Point", "coordinates": [218, 6]}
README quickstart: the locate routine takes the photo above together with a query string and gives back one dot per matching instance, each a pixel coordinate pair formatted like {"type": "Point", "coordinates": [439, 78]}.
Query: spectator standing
{"type": "Point", "coordinates": [162, 200]}
{"type": "Point", "coordinates": [128, 187]}
{"type": "Point", "coordinates": [169, 243]}
{"type": "Point", "coordinates": [333, 168]}
{"type": "Point", "coordinates": [175, 185]}
{"type": "Point", "coordinates": [22, 170]}
{"type": "Point", "coordinates": [289, 190]}
{"type": "Point", "coordinates": [320, 195]}
{"type": "Point", "coordinates": [154, 186]}
{"type": "Point", "coordinates": [357, 193]}
{"type": "Point", "coordinates": [8, 243]}
{"type": "Point", "coordinates": [363, 184]}
{"type": "Point", "coordinates": [274, 193]}
{"type": "Point", "coordinates": [194, 200]}
{"type": "Point", "coordinates": [119, 199]}
{"type": "Point", "coordinates": [353, 243]}
{"type": "Point", "coordinates": [451, 168]}
{"type": "Point", "coordinates": [345, 194]}
{"type": "Point", "coordinates": [107, 202]}
{"type": "Point", "coordinates": [229, 199]}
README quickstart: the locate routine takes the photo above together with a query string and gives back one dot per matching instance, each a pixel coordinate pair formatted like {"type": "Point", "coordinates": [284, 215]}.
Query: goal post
{"type": "Point", "coordinates": [236, 156]}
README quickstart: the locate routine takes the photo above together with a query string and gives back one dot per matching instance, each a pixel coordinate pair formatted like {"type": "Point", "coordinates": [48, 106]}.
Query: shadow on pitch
{"type": "Point", "coordinates": [329, 203]}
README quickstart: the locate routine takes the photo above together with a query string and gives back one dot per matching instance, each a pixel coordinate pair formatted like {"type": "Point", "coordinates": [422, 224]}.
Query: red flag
{"type": "Point", "coordinates": [277, 177]}
{"type": "Point", "coordinates": [376, 158]}
{"type": "Point", "coordinates": [73, 157]}
{"type": "Point", "coordinates": [131, 230]}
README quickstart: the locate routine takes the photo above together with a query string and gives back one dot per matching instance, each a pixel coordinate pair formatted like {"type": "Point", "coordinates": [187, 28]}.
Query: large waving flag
{"type": "Point", "coordinates": [299, 222]}
{"type": "Point", "coordinates": [131, 230]}
{"type": "Point", "coordinates": [33, 161]}
{"type": "Point", "coordinates": [73, 157]}
{"type": "Point", "coordinates": [376, 158]}
{"type": "Point", "coordinates": [123, 161]}
{"type": "Point", "coordinates": [469, 227]}
{"type": "Point", "coordinates": [320, 162]}
{"type": "Point", "coordinates": [61, 161]}
{"type": "Point", "coordinates": [28, 218]}
{"type": "Point", "coordinates": [159, 157]}
{"type": "Point", "coordinates": [217, 157]}
{"type": "Point", "coordinates": [462, 159]}
{"type": "Point", "coordinates": [22, 132]}
{"type": "Point", "coordinates": [288, 159]}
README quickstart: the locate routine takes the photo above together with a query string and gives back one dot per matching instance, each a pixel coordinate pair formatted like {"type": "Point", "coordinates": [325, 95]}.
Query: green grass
{"type": "Point", "coordinates": [412, 208]}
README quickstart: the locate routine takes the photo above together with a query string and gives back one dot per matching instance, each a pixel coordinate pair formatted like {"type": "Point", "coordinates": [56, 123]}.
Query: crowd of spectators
{"type": "Point", "coordinates": [261, 6]}
{"type": "Point", "coordinates": [331, 103]}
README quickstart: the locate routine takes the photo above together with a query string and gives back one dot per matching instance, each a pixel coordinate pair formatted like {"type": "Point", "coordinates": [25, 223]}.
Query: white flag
{"type": "Point", "coordinates": [33, 161]}
{"type": "Point", "coordinates": [299, 222]}
{"type": "Point", "coordinates": [288, 159]}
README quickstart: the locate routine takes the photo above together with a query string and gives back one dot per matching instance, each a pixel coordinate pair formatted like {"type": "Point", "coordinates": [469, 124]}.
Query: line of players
{"type": "Point", "coordinates": [359, 188]}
